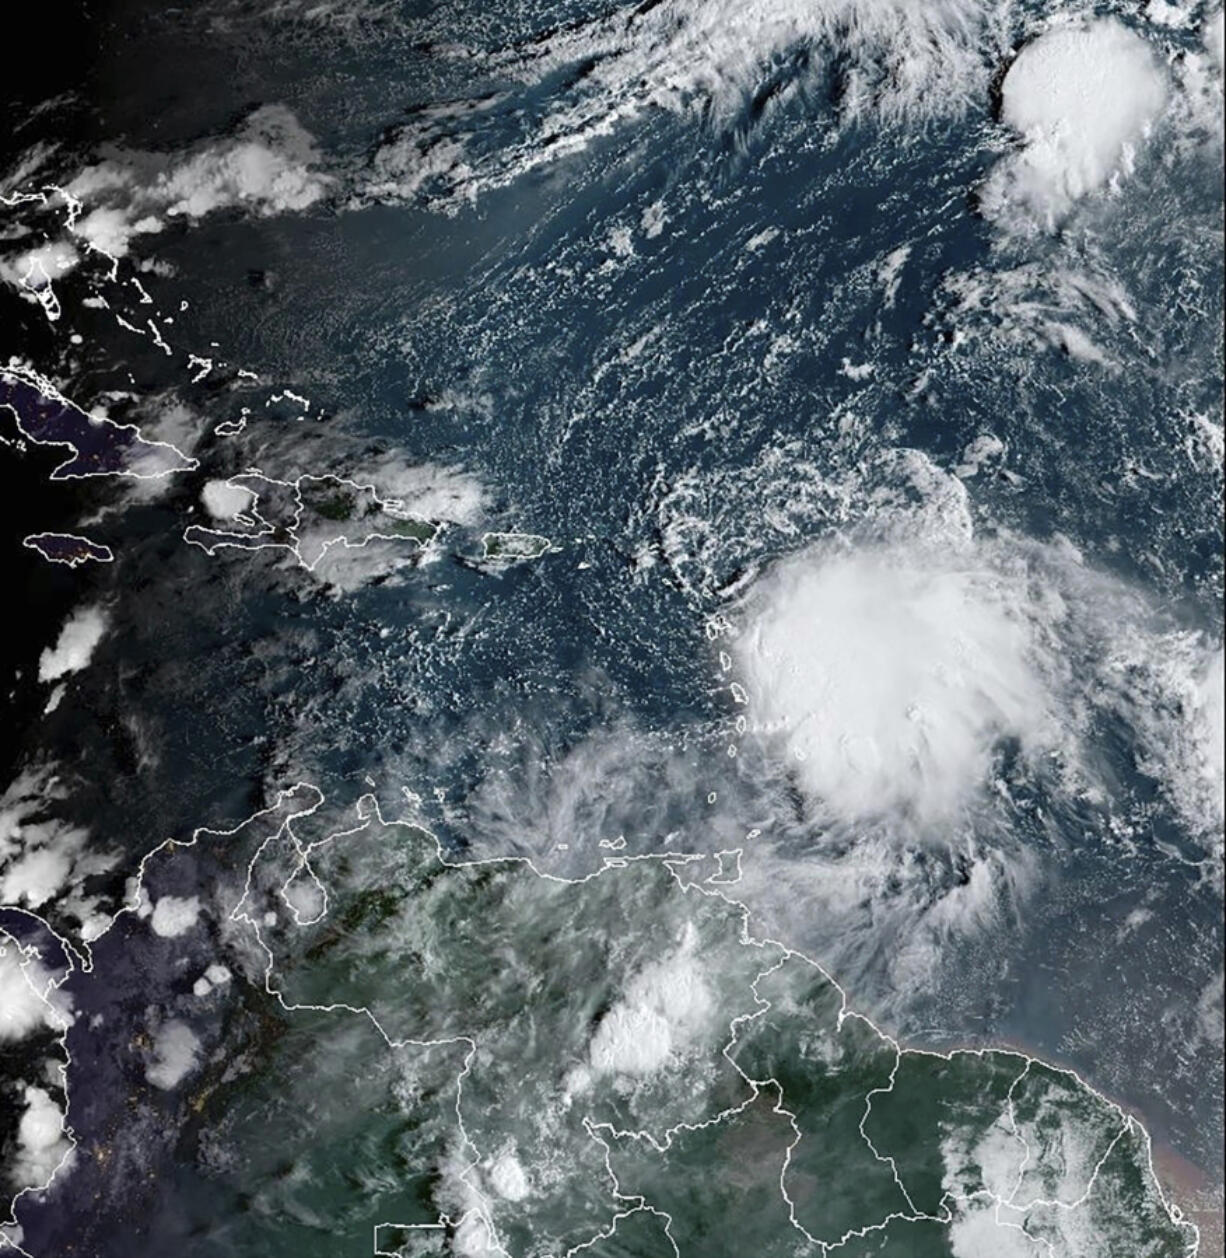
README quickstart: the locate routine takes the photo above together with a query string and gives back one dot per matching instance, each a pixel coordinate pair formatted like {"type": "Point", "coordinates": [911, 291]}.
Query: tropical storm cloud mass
{"type": "Point", "coordinates": [617, 630]}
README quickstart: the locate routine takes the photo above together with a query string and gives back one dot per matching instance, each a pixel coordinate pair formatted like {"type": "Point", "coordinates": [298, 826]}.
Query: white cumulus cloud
{"type": "Point", "coordinates": [41, 1143]}
{"type": "Point", "coordinates": [267, 167]}
{"type": "Point", "coordinates": [1213, 34]}
{"type": "Point", "coordinates": [224, 500]}
{"type": "Point", "coordinates": [1172, 689]}
{"type": "Point", "coordinates": [507, 1177]}
{"type": "Point", "coordinates": [24, 986]}
{"type": "Point", "coordinates": [891, 58]}
{"type": "Point", "coordinates": [42, 855]}
{"type": "Point", "coordinates": [1081, 98]}
{"type": "Point", "coordinates": [176, 1051]}
{"type": "Point", "coordinates": [890, 673]}
{"type": "Point", "coordinates": [896, 669]}
{"type": "Point", "coordinates": [174, 916]}
{"type": "Point", "coordinates": [664, 1008]}
{"type": "Point", "coordinates": [82, 632]}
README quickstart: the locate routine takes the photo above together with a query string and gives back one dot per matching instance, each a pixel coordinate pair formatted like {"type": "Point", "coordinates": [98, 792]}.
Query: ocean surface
{"type": "Point", "coordinates": [720, 559]}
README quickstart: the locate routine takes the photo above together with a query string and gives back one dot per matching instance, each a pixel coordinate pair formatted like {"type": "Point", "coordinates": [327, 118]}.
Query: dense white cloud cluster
{"type": "Point", "coordinates": [475, 1235]}
{"type": "Point", "coordinates": [217, 975]}
{"type": "Point", "coordinates": [1213, 35]}
{"type": "Point", "coordinates": [508, 1178]}
{"type": "Point", "coordinates": [1172, 690]}
{"type": "Point", "coordinates": [1081, 98]}
{"type": "Point", "coordinates": [35, 268]}
{"type": "Point", "coordinates": [174, 915]}
{"type": "Point", "coordinates": [176, 1050]}
{"type": "Point", "coordinates": [892, 672]}
{"type": "Point", "coordinates": [41, 1143]}
{"type": "Point", "coordinates": [1200, 72]}
{"type": "Point", "coordinates": [267, 167]}
{"type": "Point", "coordinates": [75, 646]}
{"type": "Point", "coordinates": [888, 58]}
{"type": "Point", "coordinates": [430, 490]}
{"type": "Point", "coordinates": [42, 856]}
{"type": "Point", "coordinates": [664, 1009]}
{"type": "Point", "coordinates": [25, 988]}
{"type": "Point", "coordinates": [224, 500]}
{"type": "Point", "coordinates": [893, 669]}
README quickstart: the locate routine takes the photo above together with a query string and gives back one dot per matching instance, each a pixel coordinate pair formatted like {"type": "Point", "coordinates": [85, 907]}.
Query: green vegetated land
{"type": "Point", "coordinates": [615, 1058]}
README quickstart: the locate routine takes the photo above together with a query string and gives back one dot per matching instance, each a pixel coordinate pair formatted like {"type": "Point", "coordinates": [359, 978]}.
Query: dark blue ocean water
{"type": "Point", "coordinates": [674, 410]}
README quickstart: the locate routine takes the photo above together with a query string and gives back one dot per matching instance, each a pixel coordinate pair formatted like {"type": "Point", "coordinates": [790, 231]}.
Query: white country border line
{"type": "Point", "coordinates": [719, 627]}
{"type": "Point", "coordinates": [368, 810]}
{"type": "Point", "coordinates": [757, 1086]}
{"type": "Point", "coordinates": [29, 954]}
{"type": "Point", "coordinates": [76, 957]}
{"type": "Point", "coordinates": [1129, 1123]}
{"type": "Point", "coordinates": [240, 913]}
{"type": "Point", "coordinates": [210, 540]}
{"type": "Point", "coordinates": [52, 197]}
{"type": "Point", "coordinates": [106, 555]}
{"type": "Point", "coordinates": [197, 367]}
{"type": "Point", "coordinates": [639, 1203]}
{"type": "Point", "coordinates": [82, 959]}
{"type": "Point", "coordinates": [671, 860]}
{"type": "Point", "coordinates": [1011, 1201]}
{"type": "Point", "coordinates": [36, 380]}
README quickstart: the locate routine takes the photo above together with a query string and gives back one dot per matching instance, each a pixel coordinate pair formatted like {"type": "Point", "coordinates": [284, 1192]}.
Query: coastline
{"type": "Point", "coordinates": [1183, 1182]}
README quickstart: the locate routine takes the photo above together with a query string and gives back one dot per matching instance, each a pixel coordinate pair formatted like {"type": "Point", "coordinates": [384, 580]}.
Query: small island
{"type": "Point", "coordinates": [68, 548]}
{"type": "Point", "coordinates": [506, 548]}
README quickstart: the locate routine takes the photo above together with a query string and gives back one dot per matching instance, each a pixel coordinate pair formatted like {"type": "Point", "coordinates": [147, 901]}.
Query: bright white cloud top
{"type": "Point", "coordinates": [174, 916]}
{"type": "Point", "coordinates": [41, 1144]}
{"type": "Point", "coordinates": [895, 59]}
{"type": "Point", "coordinates": [891, 672]}
{"type": "Point", "coordinates": [23, 1009]}
{"type": "Point", "coordinates": [1213, 34]}
{"type": "Point", "coordinates": [176, 1051]}
{"type": "Point", "coordinates": [266, 168]}
{"type": "Point", "coordinates": [75, 646]}
{"type": "Point", "coordinates": [894, 671]}
{"type": "Point", "coordinates": [666, 1007]}
{"type": "Point", "coordinates": [1082, 99]}
{"type": "Point", "coordinates": [224, 500]}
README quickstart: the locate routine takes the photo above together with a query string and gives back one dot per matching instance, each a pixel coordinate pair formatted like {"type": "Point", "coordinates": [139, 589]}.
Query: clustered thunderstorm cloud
{"type": "Point", "coordinates": [616, 635]}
